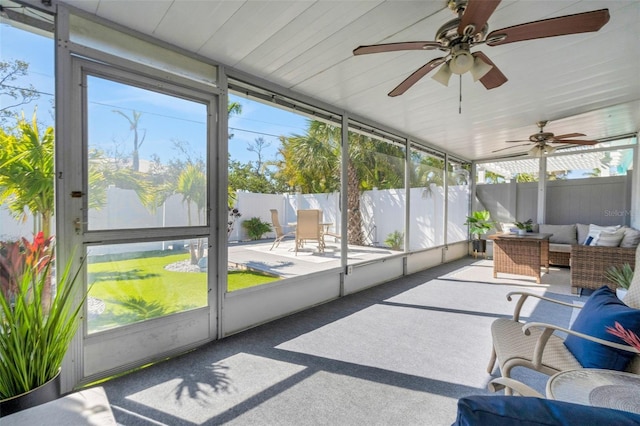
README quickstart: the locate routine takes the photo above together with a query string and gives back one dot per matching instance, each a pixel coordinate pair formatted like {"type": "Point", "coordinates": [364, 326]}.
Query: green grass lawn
{"type": "Point", "coordinates": [141, 288]}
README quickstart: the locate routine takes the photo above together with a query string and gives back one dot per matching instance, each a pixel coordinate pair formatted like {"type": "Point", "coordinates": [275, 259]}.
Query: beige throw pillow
{"type": "Point", "coordinates": [583, 231]}
{"type": "Point", "coordinates": [594, 234]}
{"type": "Point", "coordinates": [631, 237]}
{"type": "Point", "coordinates": [609, 239]}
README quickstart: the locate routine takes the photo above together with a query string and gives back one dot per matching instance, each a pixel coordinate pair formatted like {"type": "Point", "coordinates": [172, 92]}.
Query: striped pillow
{"type": "Point", "coordinates": [609, 239]}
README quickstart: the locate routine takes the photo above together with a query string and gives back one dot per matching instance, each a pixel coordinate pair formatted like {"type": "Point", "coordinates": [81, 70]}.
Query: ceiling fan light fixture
{"type": "Point", "coordinates": [480, 68]}
{"type": "Point", "coordinates": [541, 151]}
{"type": "Point", "coordinates": [443, 75]}
{"type": "Point", "coordinates": [461, 62]}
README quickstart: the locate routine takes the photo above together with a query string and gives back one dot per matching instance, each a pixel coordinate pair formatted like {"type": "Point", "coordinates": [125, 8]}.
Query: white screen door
{"type": "Point", "coordinates": [145, 217]}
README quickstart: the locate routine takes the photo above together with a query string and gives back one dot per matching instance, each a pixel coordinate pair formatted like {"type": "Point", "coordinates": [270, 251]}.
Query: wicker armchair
{"type": "Point", "coordinates": [589, 264]}
{"type": "Point", "coordinates": [536, 345]}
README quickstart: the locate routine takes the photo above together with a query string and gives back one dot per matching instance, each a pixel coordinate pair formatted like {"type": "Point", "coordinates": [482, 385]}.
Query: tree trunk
{"type": "Point", "coordinates": [355, 234]}
{"type": "Point", "coordinates": [46, 224]}
{"type": "Point", "coordinates": [135, 163]}
{"type": "Point", "coordinates": [193, 252]}
{"type": "Point", "coordinates": [200, 249]}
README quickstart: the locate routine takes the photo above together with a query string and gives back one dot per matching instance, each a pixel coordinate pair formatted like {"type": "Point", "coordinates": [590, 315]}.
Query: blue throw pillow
{"type": "Point", "coordinates": [498, 410]}
{"type": "Point", "coordinates": [602, 310]}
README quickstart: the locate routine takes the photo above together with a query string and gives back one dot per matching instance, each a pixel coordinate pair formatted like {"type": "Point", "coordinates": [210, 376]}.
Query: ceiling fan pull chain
{"type": "Point", "coordinates": [460, 101]}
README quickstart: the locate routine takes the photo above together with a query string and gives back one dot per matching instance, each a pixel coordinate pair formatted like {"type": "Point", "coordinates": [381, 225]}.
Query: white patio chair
{"type": "Point", "coordinates": [280, 234]}
{"type": "Point", "coordinates": [535, 345]}
{"type": "Point", "coordinates": [309, 227]}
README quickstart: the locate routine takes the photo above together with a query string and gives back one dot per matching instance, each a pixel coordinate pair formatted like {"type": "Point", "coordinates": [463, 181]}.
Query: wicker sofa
{"type": "Point", "coordinates": [588, 262]}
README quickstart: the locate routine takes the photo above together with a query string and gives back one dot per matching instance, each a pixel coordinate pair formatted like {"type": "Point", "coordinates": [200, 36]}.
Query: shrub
{"type": "Point", "coordinates": [256, 228]}
{"type": "Point", "coordinates": [395, 240]}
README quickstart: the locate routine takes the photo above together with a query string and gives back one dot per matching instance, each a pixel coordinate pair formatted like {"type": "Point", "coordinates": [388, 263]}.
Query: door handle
{"type": "Point", "coordinates": [78, 224]}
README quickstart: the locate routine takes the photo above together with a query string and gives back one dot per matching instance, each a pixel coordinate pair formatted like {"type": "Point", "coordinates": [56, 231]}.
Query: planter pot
{"type": "Point", "coordinates": [522, 232]}
{"type": "Point", "coordinates": [479, 246]}
{"type": "Point", "coordinates": [621, 292]}
{"type": "Point", "coordinates": [45, 393]}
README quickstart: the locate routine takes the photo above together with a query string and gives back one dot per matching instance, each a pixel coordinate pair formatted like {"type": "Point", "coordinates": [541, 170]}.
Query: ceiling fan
{"type": "Point", "coordinates": [469, 29]}
{"type": "Point", "coordinates": [542, 139]}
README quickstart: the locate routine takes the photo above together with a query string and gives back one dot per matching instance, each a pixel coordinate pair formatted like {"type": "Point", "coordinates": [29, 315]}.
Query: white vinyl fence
{"type": "Point", "coordinates": [382, 212]}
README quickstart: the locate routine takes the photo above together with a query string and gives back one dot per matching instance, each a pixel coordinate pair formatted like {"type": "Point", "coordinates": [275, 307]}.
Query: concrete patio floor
{"type": "Point", "coordinates": [284, 262]}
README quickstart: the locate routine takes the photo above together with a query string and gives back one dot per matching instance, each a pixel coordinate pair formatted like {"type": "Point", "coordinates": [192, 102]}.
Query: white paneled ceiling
{"type": "Point", "coordinates": [587, 83]}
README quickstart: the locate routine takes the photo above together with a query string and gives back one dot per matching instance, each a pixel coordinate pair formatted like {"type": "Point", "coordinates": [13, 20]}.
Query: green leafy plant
{"type": "Point", "coordinates": [35, 328]}
{"type": "Point", "coordinates": [527, 225]}
{"type": "Point", "coordinates": [620, 275]}
{"type": "Point", "coordinates": [480, 223]}
{"type": "Point", "coordinates": [26, 171]}
{"type": "Point", "coordinates": [256, 228]}
{"type": "Point", "coordinates": [395, 240]}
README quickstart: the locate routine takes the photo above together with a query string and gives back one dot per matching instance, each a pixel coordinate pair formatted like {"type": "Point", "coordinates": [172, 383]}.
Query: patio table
{"type": "Point", "coordinates": [598, 388]}
{"type": "Point", "coordinates": [520, 254]}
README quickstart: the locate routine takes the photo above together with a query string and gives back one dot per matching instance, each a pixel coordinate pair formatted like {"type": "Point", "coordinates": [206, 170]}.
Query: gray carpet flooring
{"type": "Point", "coordinates": [401, 353]}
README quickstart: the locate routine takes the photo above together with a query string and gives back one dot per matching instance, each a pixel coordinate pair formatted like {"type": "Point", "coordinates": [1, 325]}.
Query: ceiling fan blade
{"type": "Point", "coordinates": [521, 140]}
{"type": "Point", "coordinates": [415, 77]}
{"type": "Point", "coordinates": [394, 47]}
{"type": "Point", "coordinates": [574, 141]}
{"type": "Point", "coordinates": [494, 78]}
{"type": "Point", "coordinates": [509, 147]}
{"type": "Point", "coordinates": [562, 25]}
{"type": "Point", "coordinates": [569, 135]}
{"type": "Point", "coordinates": [477, 13]}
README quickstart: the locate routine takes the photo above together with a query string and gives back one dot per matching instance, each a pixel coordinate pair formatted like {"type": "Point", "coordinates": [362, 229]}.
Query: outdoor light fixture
{"type": "Point", "coordinates": [461, 61]}
{"type": "Point", "coordinates": [443, 75]}
{"type": "Point", "coordinates": [480, 68]}
{"type": "Point", "coordinates": [541, 151]}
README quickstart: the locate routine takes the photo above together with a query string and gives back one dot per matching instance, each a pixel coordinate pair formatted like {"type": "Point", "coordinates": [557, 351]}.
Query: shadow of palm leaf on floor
{"type": "Point", "coordinates": [192, 385]}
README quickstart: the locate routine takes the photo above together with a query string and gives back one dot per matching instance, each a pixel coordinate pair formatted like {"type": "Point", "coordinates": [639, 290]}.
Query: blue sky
{"type": "Point", "coordinates": [163, 119]}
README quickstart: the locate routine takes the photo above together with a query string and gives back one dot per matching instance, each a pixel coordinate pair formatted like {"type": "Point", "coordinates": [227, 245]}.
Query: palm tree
{"type": "Point", "coordinates": [104, 171]}
{"type": "Point", "coordinates": [192, 184]}
{"type": "Point", "coordinates": [134, 121]}
{"type": "Point", "coordinates": [311, 162]}
{"type": "Point", "coordinates": [27, 172]}
{"type": "Point", "coordinates": [427, 170]}
{"type": "Point", "coordinates": [234, 108]}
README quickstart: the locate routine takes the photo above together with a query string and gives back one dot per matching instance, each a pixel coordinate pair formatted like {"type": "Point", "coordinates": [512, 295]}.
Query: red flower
{"type": "Point", "coordinates": [628, 336]}
{"type": "Point", "coordinates": [38, 253]}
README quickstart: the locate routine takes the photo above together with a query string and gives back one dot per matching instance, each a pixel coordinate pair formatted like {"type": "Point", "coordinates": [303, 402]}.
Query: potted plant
{"type": "Point", "coordinates": [524, 227]}
{"type": "Point", "coordinates": [479, 224]}
{"type": "Point", "coordinates": [395, 240]}
{"type": "Point", "coordinates": [621, 276]}
{"type": "Point", "coordinates": [37, 323]}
